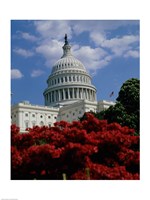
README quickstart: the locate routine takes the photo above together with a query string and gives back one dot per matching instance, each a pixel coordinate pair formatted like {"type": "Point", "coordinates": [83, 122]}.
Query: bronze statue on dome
{"type": "Point", "coordinates": [66, 41]}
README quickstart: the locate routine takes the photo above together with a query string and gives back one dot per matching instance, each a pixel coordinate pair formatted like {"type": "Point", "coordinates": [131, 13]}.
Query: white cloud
{"type": "Point", "coordinates": [100, 25]}
{"type": "Point", "coordinates": [28, 36]}
{"type": "Point", "coordinates": [52, 51]}
{"type": "Point", "coordinates": [16, 74]}
{"type": "Point", "coordinates": [97, 37]}
{"type": "Point", "coordinates": [54, 29]}
{"type": "Point", "coordinates": [132, 53]}
{"type": "Point", "coordinates": [119, 46]}
{"type": "Point", "coordinates": [92, 58]}
{"type": "Point", "coordinates": [23, 52]}
{"type": "Point", "coordinates": [37, 73]}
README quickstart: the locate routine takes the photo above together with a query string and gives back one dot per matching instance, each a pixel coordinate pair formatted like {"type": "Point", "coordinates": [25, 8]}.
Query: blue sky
{"type": "Point", "coordinates": [109, 49]}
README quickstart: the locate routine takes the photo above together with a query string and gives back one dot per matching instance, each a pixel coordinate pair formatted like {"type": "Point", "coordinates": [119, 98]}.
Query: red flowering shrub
{"type": "Point", "coordinates": [91, 149]}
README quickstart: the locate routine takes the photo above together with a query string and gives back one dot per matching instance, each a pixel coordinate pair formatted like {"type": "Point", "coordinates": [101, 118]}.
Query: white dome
{"type": "Point", "coordinates": [69, 81]}
{"type": "Point", "coordinates": [68, 62]}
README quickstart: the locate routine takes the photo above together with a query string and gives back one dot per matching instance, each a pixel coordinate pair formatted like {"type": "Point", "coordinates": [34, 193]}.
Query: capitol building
{"type": "Point", "coordinates": [69, 94]}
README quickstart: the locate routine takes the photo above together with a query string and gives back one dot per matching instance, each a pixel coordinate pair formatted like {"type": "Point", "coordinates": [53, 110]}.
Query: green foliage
{"type": "Point", "coordinates": [129, 95]}
{"type": "Point", "coordinates": [126, 109]}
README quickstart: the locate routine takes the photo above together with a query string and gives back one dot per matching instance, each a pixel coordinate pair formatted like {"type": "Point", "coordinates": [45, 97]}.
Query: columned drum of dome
{"type": "Point", "coordinates": [69, 81]}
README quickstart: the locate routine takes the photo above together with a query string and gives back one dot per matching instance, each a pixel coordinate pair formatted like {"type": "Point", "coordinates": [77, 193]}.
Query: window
{"type": "Point", "coordinates": [33, 115]}
{"type": "Point", "coordinates": [41, 123]}
{"type": "Point", "coordinates": [65, 79]}
{"type": "Point", "coordinates": [26, 124]}
{"type": "Point", "coordinates": [26, 114]}
{"type": "Point", "coordinates": [41, 116]}
{"type": "Point", "coordinates": [55, 117]}
{"type": "Point", "coordinates": [33, 124]}
{"type": "Point", "coordinates": [49, 117]}
{"type": "Point", "coordinates": [73, 114]}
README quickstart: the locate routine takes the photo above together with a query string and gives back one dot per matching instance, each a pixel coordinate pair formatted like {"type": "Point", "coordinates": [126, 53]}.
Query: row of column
{"type": "Point", "coordinates": [69, 79]}
{"type": "Point", "coordinates": [70, 93]}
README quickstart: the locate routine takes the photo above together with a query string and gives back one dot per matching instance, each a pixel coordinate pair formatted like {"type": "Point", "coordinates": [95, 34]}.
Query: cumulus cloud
{"type": "Point", "coordinates": [117, 45]}
{"type": "Point", "coordinates": [103, 49]}
{"type": "Point", "coordinates": [54, 29]}
{"type": "Point", "coordinates": [92, 58]}
{"type": "Point", "coordinates": [28, 36]}
{"type": "Point", "coordinates": [23, 52]}
{"type": "Point", "coordinates": [52, 33]}
{"type": "Point", "coordinates": [132, 53]}
{"type": "Point", "coordinates": [37, 73]}
{"type": "Point", "coordinates": [16, 74]}
{"type": "Point", "coordinates": [100, 25]}
{"type": "Point", "coordinates": [51, 51]}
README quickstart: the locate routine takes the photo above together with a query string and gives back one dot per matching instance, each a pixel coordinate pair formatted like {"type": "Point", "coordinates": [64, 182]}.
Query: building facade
{"type": "Point", "coordinates": [69, 94]}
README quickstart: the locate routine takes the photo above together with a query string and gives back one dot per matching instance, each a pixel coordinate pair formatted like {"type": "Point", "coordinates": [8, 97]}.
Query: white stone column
{"type": "Point", "coordinates": [64, 98]}
{"type": "Point", "coordinates": [58, 95]}
{"type": "Point", "coordinates": [86, 93]}
{"type": "Point", "coordinates": [90, 93]}
{"type": "Point", "coordinates": [68, 93]}
{"type": "Point", "coordinates": [77, 93]}
{"type": "Point", "coordinates": [82, 96]}
{"type": "Point", "coordinates": [73, 93]}
{"type": "Point", "coordinates": [54, 95]}
{"type": "Point", "coordinates": [93, 95]}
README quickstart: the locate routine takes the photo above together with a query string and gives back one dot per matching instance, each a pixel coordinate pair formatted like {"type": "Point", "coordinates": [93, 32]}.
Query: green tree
{"type": "Point", "coordinates": [126, 109]}
{"type": "Point", "coordinates": [129, 95]}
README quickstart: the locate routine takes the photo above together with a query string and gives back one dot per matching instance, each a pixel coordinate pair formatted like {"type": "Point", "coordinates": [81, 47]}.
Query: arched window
{"type": "Point", "coordinates": [33, 124]}
{"type": "Point", "coordinates": [41, 123]}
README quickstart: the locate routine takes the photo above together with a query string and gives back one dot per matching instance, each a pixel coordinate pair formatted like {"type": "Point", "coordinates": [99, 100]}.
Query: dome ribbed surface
{"type": "Point", "coordinates": [68, 62]}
